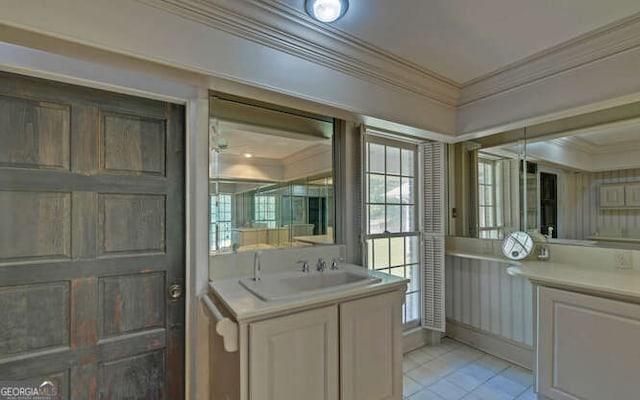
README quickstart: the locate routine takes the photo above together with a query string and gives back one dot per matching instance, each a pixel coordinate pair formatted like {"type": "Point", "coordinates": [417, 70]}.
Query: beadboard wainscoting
{"type": "Point", "coordinates": [490, 309]}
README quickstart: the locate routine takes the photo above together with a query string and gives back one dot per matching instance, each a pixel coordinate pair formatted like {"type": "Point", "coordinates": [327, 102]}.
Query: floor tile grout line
{"type": "Point", "coordinates": [457, 346]}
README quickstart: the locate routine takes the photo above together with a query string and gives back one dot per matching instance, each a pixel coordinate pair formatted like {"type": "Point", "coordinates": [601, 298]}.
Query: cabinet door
{"type": "Point", "coordinates": [587, 347]}
{"type": "Point", "coordinates": [632, 195]}
{"type": "Point", "coordinates": [612, 196]}
{"type": "Point", "coordinates": [371, 348]}
{"type": "Point", "coordinates": [295, 357]}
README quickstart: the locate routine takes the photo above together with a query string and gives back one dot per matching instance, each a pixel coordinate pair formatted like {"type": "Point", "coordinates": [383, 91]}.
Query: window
{"type": "Point", "coordinates": [392, 232]}
{"type": "Point", "coordinates": [264, 210]}
{"type": "Point", "coordinates": [220, 222]}
{"type": "Point", "coordinates": [489, 199]}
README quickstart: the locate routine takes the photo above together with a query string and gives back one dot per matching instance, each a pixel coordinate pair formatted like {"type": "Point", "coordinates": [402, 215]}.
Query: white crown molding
{"type": "Point", "coordinates": [276, 25]}
{"type": "Point", "coordinates": [591, 47]}
{"type": "Point", "coordinates": [323, 150]}
{"type": "Point", "coordinates": [595, 149]}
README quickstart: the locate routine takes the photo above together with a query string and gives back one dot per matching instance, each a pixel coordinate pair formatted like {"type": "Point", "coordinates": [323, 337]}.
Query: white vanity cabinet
{"type": "Point", "coordinates": [346, 349]}
{"type": "Point", "coordinates": [295, 356]}
{"type": "Point", "coordinates": [371, 348]}
{"type": "Point", "coordinates": [587, 346]}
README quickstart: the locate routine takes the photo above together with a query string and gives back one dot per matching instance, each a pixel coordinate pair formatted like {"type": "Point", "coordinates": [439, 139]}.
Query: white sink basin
{"type": "Point", "coordinates": [286, 285]}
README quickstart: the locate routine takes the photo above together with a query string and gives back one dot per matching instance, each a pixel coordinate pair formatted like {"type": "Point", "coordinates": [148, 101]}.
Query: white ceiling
{"type": "Point", "coordinates": [264, 145]}
{"type": "Point", "coordinates": [466, 39]}
{"type": "Point", "coordinates": [623, 135]}
{"type": "Point", "coordinates": [600, 140]}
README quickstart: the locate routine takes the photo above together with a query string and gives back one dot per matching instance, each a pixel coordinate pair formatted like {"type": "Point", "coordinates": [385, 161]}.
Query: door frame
{"type": "Point", "coordinates": [196, 103]}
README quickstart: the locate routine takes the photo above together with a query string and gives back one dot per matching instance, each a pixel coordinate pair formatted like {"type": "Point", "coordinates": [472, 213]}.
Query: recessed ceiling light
{"type": "Point", "coordinates": [248, 155]}
{"type": "Point", "coordinates": [327, 10]}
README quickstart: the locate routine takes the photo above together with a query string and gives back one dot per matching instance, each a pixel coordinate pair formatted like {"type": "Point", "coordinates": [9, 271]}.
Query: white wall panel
{"type": "Point", "coordinates": [482, 295]}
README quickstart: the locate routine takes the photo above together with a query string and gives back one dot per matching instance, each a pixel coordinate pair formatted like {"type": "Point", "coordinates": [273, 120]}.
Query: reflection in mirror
{"type": "Point", "coordinates": [586, 186]}
{"type": "Point", "coordinates": [580, 183]}
{"type": "Point", "coordinates": [498, 192]}
{"type": "Point", "coordinates": [271, 180]}
{"type": "Point", "coordinates": [485, 188]}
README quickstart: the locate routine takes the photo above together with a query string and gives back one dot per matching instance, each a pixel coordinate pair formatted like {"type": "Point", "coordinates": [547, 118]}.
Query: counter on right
{"type": "Point", "coordinates": [586, 330]}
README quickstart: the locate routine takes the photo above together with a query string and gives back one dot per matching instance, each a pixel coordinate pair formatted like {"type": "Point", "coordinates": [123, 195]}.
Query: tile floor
{"type": "Point", "coordinates": [453, 371]}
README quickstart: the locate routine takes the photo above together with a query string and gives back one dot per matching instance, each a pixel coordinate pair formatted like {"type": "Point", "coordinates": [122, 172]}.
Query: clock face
{"type": "Point", "coordinates": [517, 245]}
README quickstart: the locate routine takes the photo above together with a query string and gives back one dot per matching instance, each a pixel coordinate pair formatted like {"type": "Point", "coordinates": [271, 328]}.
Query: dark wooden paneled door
{"type": "Point", "coordinates": [91, 240]}
{"type": "Point", "coordinates": [549, 203]}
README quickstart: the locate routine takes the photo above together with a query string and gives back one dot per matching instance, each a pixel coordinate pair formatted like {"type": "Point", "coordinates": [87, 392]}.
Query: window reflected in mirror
{"type": "Point", "coordinates": [580, 183]}
{"type": "Point", "coordinates": [499, 191]}
{"type": "Point", "coordinates": [271, 179]}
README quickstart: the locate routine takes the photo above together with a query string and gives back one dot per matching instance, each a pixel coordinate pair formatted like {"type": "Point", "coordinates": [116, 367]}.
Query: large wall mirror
{"type": "Point", "coordinates": [575, 180]}
{"type": "Point", "coordinates": [270, 177]}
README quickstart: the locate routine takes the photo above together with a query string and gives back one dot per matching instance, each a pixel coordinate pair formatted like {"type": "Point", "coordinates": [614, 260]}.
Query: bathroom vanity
{"type": "Point", "coordinates": [326, 342]}
{"type": "Point", "coordinates": [587, 327]}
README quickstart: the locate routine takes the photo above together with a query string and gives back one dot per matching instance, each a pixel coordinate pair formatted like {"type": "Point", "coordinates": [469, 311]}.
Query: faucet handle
{"type": "Point", "coordinates": [334, 263]}
{"type": "Point", "coordinates": [305, 265]}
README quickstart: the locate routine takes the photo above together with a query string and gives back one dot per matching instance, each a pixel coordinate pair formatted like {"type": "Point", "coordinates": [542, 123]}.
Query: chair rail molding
{"type": "Point", "coordinates": [274, 24]}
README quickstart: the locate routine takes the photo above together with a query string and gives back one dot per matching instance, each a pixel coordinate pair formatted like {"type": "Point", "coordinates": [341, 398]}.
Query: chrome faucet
{"type": "Point", "coordinates": [543, 253]}
{"type": "Point", "coordinates": [321, 265]}
{"type": "Point", "coordinates": [334, 264]}
{"type": "Point", "coordinates": [305, 265]}
{"type": "Point", "coordinates": [256, 266]}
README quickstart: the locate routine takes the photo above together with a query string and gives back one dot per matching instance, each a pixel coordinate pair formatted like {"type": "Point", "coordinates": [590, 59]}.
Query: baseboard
{"type": "Point", "coordinates": [419, 337]}
{"type": "Point", "coordinates": [506, 349]}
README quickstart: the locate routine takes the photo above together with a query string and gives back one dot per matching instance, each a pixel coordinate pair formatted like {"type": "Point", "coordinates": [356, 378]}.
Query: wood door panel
{"type": "Point", "coordinates": [132, 303]}
{"type": "Point", "coordinates": [84, 312]}
{"type": "Point", "coordinates": [61, 380]}
{"type": "Point", "coordinates": [43, 216]}
{"type": "Point", "coordinates": [24, 330]}
{"type": "Point", "coordinates": [136, 377]}
{"type": "Point", "coordinates": [34, 134]}
{"type": "Point", "coordinates": [45, 180]}
{"type": "Point", "coordinates": [84, 225]}
{"type": "Point", "coordinates": [92, 234]}
{"type": "Point", "coordinates": [133, 145]}
{"type": "Point", "coordinates": [82, 268]}
{"type": "Point", "coordinates": [131, 223]}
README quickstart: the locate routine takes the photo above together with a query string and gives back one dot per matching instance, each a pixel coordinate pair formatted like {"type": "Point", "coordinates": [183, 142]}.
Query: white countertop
{"type": "Point", "coordinates": [245, 306]}
{"type": "Point", "coordinates": [315, 239]}
{"type": "Point", "coordinates": [476, 256]}
{"type": "Point", "coordinates": [614, 282]}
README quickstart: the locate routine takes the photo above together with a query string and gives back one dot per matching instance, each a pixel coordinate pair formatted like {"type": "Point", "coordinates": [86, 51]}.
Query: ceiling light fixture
{"type": "Point", "coordinates": [248, 155]}
{"type": "Point", "coordinates": [327, 10]}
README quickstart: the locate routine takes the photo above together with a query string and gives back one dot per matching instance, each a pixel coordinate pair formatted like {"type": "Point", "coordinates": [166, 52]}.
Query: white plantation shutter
{"type": "Point", "coordinates": [433, 236]}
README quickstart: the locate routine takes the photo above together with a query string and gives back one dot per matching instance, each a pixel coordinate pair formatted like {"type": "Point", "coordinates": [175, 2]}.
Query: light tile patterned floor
{"type": "Point", "coordinates": [454, 371]}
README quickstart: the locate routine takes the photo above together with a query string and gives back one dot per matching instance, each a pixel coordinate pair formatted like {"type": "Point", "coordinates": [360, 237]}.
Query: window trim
{"type": "Point", "coordinates": [372, 137]}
